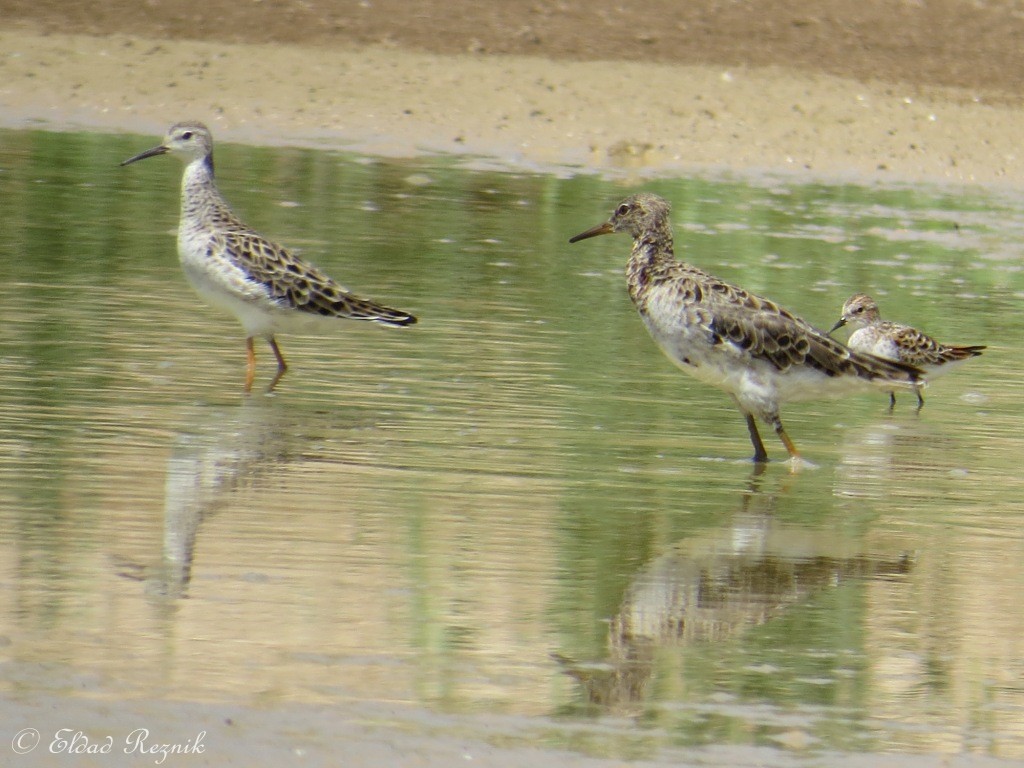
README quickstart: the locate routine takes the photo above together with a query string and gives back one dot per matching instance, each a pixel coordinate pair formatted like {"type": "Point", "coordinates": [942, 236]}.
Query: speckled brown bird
{"type": "Point", "coordinates": [268, 288]}
{"type": "Point", "coordinates": [758, 352]}
{"type": "Point", "coordinates": [895, 341]}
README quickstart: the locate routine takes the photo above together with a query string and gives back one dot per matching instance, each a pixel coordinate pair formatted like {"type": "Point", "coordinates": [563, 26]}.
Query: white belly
{"type": "Point", "coordinates": [223, 284]}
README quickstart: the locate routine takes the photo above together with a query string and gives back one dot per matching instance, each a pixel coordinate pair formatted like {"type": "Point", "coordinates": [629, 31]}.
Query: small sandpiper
{"type": "Point", "coordinates": [235, 268]}
{"type": "Point", "coordinates": [895, 341]}
{"type": "Point", "coordinates": [758, 352]}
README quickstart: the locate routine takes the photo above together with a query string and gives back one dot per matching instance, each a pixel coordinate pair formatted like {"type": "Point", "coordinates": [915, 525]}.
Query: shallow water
{"type": "Point", "coordinates": [518, 505]}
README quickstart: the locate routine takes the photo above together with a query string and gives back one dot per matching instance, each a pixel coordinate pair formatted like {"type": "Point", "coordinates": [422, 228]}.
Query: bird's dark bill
{"type": "Point", "coordinates": [601, 229]}
{"type": "Point", "coordinates": [148, 153]}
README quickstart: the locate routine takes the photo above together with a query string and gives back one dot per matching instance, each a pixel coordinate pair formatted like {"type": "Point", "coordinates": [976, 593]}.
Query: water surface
{"type": "Point", "coordinates": [517, 506]}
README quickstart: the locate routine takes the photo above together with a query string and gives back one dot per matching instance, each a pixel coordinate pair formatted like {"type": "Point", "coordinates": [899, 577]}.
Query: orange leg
{"type": "Point", "coordinates": [250, 365]}
{"type": "Point", "coordinates": [793, 452]}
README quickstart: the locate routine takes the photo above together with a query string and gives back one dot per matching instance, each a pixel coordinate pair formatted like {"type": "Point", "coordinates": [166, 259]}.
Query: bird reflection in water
{"type": "Point", "coordinates": [711, 589]}
{"type": "Point", "coordinates": [217, 453]}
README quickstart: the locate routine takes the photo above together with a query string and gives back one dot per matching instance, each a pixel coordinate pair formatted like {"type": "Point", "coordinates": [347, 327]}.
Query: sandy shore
{"type": "Point", "coordinates": [611, 117]}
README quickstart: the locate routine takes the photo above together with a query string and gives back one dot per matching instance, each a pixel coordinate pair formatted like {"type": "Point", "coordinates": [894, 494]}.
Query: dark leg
{"type": "Point", "coordinates": [282, 366]}
{"type": "Point", "coordinates": [892, 401]}
{"type": "Point", "coordinates": [760, 454]}
{"type": "Point", "coordinates": [920, 400]}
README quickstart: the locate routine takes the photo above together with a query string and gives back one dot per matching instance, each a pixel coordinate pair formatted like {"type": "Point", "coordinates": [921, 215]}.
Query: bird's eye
{"type": "Point", "coordinates": [186, 135]}
{"type": "Point", "coordinates": [622, 210]}
{"type": "Point", "coordinates": [858, 310]}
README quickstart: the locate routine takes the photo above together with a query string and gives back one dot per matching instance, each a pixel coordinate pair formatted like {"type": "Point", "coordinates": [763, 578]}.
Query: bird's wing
{"type": "Point", "coordinates": [771, 333]}
{"type": "Point", "coordinates": [296, 284]}
{"type": "Point", "coordinates": [918, 348]}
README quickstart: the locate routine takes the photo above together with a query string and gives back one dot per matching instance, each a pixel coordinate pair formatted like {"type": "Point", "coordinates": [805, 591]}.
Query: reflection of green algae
{"type": "Point", "coordinates": [459, 507]}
